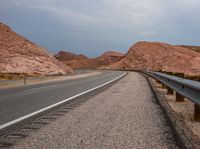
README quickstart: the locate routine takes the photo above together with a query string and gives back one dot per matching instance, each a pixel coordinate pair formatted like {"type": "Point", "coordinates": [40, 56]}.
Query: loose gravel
{"type": "Point", "coordinates": [125, 116]}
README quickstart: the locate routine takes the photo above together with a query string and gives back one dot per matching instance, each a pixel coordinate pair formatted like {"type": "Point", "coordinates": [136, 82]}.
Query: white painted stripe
{"type": "Point", "coordinates": [56, 104]}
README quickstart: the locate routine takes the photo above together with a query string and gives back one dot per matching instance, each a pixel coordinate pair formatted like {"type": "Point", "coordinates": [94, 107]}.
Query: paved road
{"type": "Point", "coordinates": [17, 102]}
{"type": "Point", "coordinates": [125, 116]}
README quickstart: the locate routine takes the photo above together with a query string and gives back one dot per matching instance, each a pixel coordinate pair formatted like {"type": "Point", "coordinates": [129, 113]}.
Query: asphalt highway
{"type": "Point", "coordinates": [21, 101]}
{"type": "Point", "coordinates": [124, 116]}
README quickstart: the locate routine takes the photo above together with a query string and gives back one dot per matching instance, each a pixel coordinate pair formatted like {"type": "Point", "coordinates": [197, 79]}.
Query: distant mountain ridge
{"type": "Point", "coordinates": [64, 55]}
{"type": "Point", "coordinates": [19, 55]}
{"type": "Point", "coordinates": [81, 61]}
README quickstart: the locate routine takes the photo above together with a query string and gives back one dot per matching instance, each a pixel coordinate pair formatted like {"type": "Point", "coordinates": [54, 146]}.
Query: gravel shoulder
{"type": "Point", "coordinates": [124, 116]}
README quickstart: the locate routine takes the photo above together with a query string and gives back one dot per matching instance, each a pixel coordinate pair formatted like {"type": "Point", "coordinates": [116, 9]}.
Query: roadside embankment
{"type": "Point", "coordinates": [181, 114]}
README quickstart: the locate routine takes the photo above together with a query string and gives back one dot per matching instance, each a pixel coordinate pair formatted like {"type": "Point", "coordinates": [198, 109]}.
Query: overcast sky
{"type": "Point", "coordinates": [94, 26]}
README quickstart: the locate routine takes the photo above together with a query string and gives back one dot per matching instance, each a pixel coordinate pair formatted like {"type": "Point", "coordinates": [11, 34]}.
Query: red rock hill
{"type": "Point", "coordinates": [67, 56]}
{"type": "Point", "coordinates": [160, 56]}
{"type": "Point", "coordinates": [19, 55]}
{"type": "Point", "coordinates": [81, 61]}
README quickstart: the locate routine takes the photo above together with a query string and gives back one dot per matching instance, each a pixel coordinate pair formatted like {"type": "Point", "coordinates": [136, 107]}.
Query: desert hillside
{"type": "Point", "coordinates": [194, 48]}
{"type": "Point", "coordinates": [160, 56]}
{"type": "Point", "coordinates": [68, 56]}
{"type": "Point", "coordinates": [81, 61]}
{"type": "Point", "coordinates": [20, 56]}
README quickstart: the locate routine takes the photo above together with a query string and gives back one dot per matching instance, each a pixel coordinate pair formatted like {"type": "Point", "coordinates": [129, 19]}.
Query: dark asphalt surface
{"type": "Point", "coordinates": [20, 101]}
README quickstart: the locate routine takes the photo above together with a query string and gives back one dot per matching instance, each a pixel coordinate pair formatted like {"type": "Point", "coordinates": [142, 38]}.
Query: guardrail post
{"type": "Point", "coordinates": [158, 81]}
{"type": "Point", "coordinates": [170, 91]}
{"type": "Point", "coordinates": [179, 98]}
{"type": "Point", "coordinates": [196, 113]}
{"type": "Point", "coordinates": [164, 86]}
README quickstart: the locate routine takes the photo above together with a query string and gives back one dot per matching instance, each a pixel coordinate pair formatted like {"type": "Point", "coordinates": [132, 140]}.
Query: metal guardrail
{"type": "Point", "coordinates": [183, 88]}
{"type": "Point", "coordinates": [187, 88]}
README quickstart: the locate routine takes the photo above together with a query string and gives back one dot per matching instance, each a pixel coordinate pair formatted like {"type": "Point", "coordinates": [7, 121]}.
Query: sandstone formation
{"type": "Point", "coordinates": [160, 56]}
{"type": "Point", "coordinates": [81, 61]}
{"type": "Point", "coordinates": [20, 56]}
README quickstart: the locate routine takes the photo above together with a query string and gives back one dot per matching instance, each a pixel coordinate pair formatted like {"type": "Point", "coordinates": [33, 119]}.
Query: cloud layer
{"type": "Point", "coordinates": [93, 26]}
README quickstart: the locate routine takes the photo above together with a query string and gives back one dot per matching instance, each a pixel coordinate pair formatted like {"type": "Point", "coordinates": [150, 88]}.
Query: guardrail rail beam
{"type": "Point", "coordinates": [183, 88]}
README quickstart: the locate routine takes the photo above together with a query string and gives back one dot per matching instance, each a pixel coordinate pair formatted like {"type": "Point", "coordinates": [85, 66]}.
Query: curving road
{"type": "Point", "coordinates": [19, 102]}
{"type": "Point", "coordinates": [124, 116]}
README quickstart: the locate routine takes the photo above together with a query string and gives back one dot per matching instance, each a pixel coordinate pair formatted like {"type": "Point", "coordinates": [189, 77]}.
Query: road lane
{"type": "Point", "coordinates": [17, 102]}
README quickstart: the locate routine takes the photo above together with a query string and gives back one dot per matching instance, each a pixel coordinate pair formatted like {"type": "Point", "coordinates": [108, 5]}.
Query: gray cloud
{"type": "Point", "coordinates": [91, 26]}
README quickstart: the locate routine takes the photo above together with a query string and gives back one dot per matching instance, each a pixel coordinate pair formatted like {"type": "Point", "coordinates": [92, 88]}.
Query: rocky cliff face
{"type": "Point", "coordinates": [81, 61]}
{"type": "Point", "coordinates": [160, 56]}
{"type": "Point", "coordinates": [19, 55]}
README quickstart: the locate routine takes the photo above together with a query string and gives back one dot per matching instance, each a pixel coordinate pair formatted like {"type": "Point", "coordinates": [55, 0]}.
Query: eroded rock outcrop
{"type": "Point", "coordinates": [20, 56]}
{"type": "Point", "coordinates": [160, 56]}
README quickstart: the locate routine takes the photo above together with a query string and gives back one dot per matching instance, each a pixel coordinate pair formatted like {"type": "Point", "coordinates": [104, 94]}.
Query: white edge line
{"type": "Point", "coordinates": [56, 104]}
